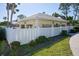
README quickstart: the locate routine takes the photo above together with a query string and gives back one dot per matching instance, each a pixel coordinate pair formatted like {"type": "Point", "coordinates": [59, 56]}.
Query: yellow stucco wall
{"type": "Point", "coordinates": [40, 22]}
{"type": "Point", "coordinates": [27, 22]}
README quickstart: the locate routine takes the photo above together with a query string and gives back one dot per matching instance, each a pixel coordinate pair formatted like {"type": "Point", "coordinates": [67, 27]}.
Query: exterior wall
{"type": "Point", "coordinates": [65, 23]}
{"type": "Point", "coordinates": [56, 22]}
{"type": "Point", "coordinates": [45, 22]}
{"type": "Point", "coordinates": [26, 35]}
{"type": "Point", "coordinates": [39, 23]}
{"type": "Point", "coordinates": [28, 22]}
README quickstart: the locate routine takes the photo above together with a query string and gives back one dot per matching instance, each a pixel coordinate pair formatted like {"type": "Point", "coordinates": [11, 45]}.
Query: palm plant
{"type": "Point", "coordinates": [11, 7]}
{"type": "Point", "coordinates": [5, 18]}
{"type": "Point", "coordinates": [21, 16]}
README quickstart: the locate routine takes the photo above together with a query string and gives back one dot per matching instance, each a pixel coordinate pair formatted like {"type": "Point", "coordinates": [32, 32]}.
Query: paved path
{"type": "Point", "coordinates": [74, 44]}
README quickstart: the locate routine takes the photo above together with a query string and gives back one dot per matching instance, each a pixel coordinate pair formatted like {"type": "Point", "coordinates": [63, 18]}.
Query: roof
{"type": "Point", "coordinates": [40, 16]}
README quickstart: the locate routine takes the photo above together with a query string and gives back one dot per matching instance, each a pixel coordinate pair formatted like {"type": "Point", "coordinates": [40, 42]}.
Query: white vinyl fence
{"type": "Point", "coordinates": [26, 35]}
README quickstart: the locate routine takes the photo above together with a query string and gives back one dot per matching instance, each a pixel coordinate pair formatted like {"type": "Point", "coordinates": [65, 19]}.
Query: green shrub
{"type": "Point", "coordinates": [32, 43]}
{"type": "Point", "coordinates": [37, 41]}
{"type": "Point", "coordinates": [64, 33]}
{"type": "Point", "coordinates": [74, 30]}
{"type": "Point", "coordinates": [41, 39]}
{"type": "Point", "coordinates": [2, 46]}
{"type": "Point", "coordinates": [15, 48]}
{"type": "Point", "coordinates": [15, 45]}
{"type": "Point", "coordinates": [2, 34]}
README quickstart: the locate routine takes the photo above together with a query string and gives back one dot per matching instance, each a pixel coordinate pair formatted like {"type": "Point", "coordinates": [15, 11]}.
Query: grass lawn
{"type": "Point", "coordinates": [2, 46]}
{"type": "Point", "coordinates": [60, 48]}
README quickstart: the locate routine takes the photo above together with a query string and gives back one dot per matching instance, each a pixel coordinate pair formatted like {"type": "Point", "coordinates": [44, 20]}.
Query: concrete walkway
{"type": "Point", "coordinates": [74, 44]}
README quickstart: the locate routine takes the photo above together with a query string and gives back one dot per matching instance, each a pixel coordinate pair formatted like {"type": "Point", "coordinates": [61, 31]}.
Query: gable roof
{"type": "Point", "coordinates": [40, 16]}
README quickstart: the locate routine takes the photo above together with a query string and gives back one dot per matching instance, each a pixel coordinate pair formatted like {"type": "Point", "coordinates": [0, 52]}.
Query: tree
{"type": "Point", "coordinates": [5, 18]}
{"type": "Point", "coordinates": [65, 8]}
{"type": "Point", "coordinates": [62, 16]}
{"type": "Point", "coordinates": [4, 23]}
{"type": "Point", "coordinates": [44, 12]}
{"type": "Point", "coordinates": [13, 10]}
{"type": "Point", "coordinates": [75, 7]}
{"type": "Point", "coordinates": [21, 16]}
{"type": "Point", "coordinates": [55, 14]}
{"type": "Point", "coordinates": [58, 15]}
{"type": "Point", "coordinates": [11, 7]}
{"type": "Point", "coordinates": [7, 8]}
{"type": "Point", "coordinates": [70, 19]}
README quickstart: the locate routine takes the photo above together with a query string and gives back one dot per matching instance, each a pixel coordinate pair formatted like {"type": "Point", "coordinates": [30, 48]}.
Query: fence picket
{"type": "Point", "coordinates": [26, 35]}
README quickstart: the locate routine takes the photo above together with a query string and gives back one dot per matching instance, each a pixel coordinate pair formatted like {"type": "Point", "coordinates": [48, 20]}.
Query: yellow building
{"type": "Point", "coordinates": [41, 20]}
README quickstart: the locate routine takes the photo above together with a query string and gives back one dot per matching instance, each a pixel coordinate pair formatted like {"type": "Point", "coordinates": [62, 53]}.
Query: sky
{"type": "Point", "coordinates": [29, 9]}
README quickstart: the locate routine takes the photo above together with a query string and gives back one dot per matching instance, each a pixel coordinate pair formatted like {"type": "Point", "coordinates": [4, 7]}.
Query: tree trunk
{"type": "Point", "coordinates": [66, 13]}
{"type": "Point", "coordinates": [75, 15]}
{"type": "Point", "coordinates": [7, 18]}
{"type": "Point", "coordinates": [12, 11]}
{"type": "Point", "coordinates": [7, 14]}
{"type": "Point", "coordinates": [66, 16]}
{"type": "Point", "coordinates": [11, 18]}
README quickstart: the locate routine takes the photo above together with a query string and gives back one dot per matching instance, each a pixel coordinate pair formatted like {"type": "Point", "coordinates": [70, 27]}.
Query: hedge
{"type": "Point", "coordinates": [2, 34]}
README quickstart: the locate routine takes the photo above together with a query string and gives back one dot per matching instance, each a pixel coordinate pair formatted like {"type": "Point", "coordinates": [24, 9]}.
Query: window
{"type": "Point", "coordinates": [22, 26]}
{"type": "Point", "coordinates": [56, 25]}
{"type": "Point", "coordinates": [46, 25]}
{"type": "Point", "coordinates": [29, 26]}
{"type": "Point", "coordinates": [16, 25]}
{"type": "Point", "coordinates": [63, 25]}
{"type": "Point", "coordinates": [69, 24]}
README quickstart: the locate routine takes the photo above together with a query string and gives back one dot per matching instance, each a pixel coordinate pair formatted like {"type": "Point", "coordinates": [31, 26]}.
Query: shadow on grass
{"type": "Point", "coordinates": [48, 44]}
